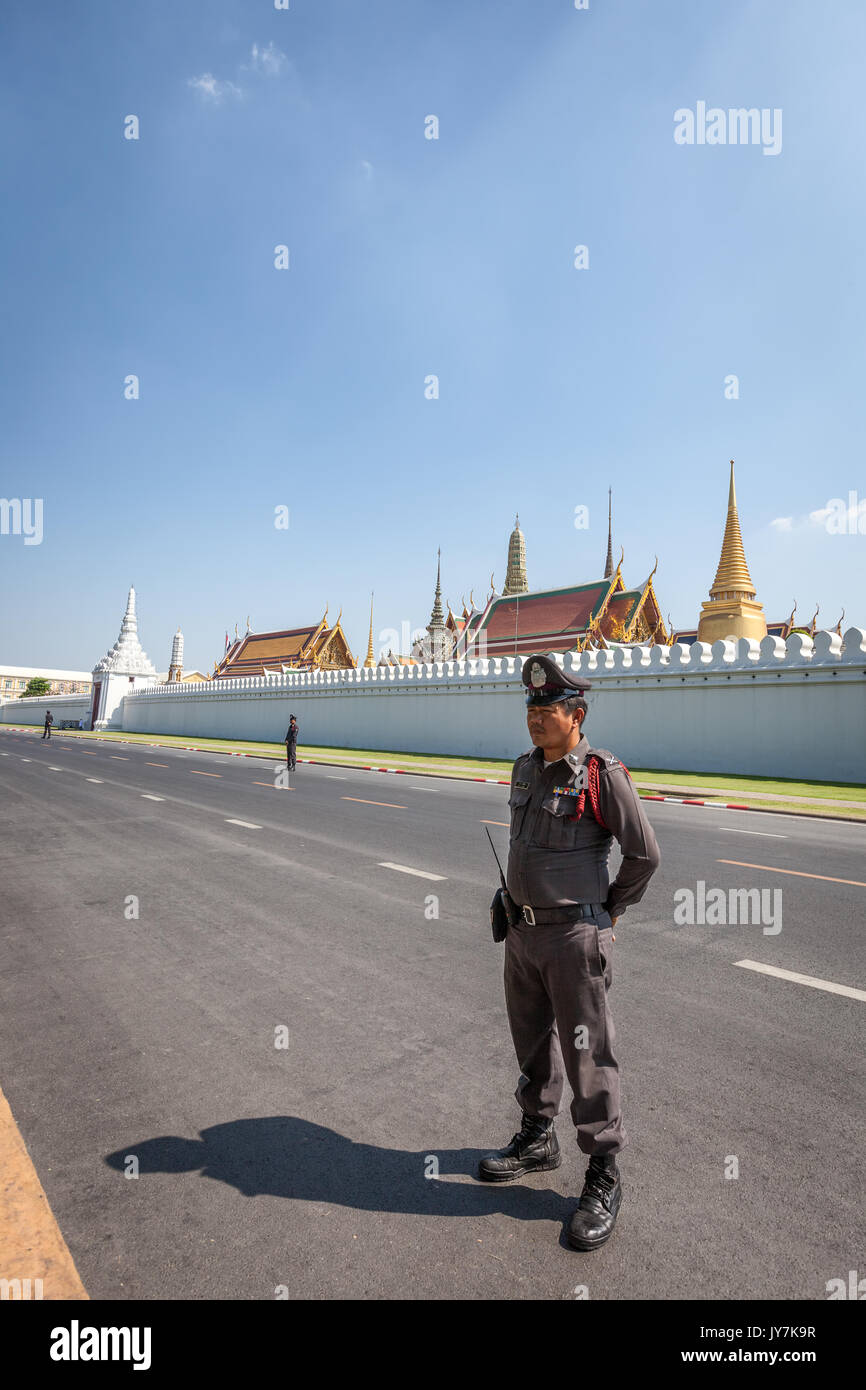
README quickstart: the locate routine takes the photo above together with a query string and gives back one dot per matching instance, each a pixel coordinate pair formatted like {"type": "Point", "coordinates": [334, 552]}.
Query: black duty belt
{"type": "Point", "coordinates": [548, 916]}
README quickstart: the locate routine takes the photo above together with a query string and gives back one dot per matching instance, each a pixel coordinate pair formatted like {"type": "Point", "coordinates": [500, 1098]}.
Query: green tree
{"type": "Point", "coordinates": [37, 685]}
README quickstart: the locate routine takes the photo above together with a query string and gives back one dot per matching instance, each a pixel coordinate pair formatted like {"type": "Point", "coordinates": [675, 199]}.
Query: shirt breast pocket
{"type": "Point", "coordinates": [518, 803]}
{"type": "Point", "coordinates": [557, 828]}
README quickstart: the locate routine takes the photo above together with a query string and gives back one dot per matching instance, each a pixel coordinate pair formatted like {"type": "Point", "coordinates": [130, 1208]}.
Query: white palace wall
{"type": "Point", "coordinates": [32, 710]}
{"type": "Point", "coordinates": [795, 709]}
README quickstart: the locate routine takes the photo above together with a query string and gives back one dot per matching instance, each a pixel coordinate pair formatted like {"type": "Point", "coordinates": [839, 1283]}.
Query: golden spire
{"type": "Point", "coordinates": [371, 660]}
{"type": "Point", "coordinates": [732, 575]}
{"type": "Point", "coordinates": [515, 571]}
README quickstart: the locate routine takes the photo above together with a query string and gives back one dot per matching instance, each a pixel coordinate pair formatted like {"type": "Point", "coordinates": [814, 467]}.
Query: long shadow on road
{"type": "Point", "coordinates": [286, 1156]}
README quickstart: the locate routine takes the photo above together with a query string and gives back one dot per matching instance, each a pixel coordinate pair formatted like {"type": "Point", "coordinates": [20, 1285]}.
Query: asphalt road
{"type": "Point", "coordinates": [305, 1166]}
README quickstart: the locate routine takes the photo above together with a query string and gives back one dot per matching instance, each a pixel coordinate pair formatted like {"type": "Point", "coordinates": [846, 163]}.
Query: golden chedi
{"type": "Point", "coordinates": [732, 609]}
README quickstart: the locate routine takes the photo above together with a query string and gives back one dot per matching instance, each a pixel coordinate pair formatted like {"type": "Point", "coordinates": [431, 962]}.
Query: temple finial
{"type": "Point", "coordinates": [437, 617]}
{"type": "Point", "coordinates": [608, 564]}
{"type": "Point", "coordinates": [370, 658]}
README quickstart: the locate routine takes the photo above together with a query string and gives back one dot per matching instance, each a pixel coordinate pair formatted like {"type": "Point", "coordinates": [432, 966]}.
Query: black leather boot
{"type": "Point", "coordinates": [593, 1221]}
{"type": "Point", "coordinates": [534, 1150]}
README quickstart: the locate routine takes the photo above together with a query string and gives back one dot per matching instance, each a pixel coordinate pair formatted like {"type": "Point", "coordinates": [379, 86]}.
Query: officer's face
{"type": "Point", "coordinates": [551, 725]}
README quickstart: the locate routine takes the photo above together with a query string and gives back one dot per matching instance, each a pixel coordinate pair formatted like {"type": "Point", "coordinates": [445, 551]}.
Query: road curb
{"type": "Point", "coordinates": [757, 810]}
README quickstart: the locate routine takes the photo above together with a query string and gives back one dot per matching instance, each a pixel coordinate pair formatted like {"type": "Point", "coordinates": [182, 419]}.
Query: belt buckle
{"type": "Point", "coordinates": [529, 916]}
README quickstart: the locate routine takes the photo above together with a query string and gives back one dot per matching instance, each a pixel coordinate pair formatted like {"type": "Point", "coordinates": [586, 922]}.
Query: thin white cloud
{"type": "Point", "coordinates": [270, 61]}
{"type": "Point", "coordinates": [839, 516]}
{"type": "Point", "coordinates": [211, 89]}
{"type": "Point", "coordinates": [267, 61]}
{"type": "Point", "coordinates": [366, 169]}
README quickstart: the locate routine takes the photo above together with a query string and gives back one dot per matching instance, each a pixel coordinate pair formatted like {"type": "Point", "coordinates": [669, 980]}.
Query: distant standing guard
{"type": "Point", "coordinates": [568, 801]}
{"type": "Point", "coordinates": [292, 743]}
{"type": "Point", "coordinates": [49, 720]}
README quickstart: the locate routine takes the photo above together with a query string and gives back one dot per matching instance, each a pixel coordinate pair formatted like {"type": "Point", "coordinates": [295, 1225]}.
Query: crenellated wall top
{"type": "Point", "coordinates": [797, 654]}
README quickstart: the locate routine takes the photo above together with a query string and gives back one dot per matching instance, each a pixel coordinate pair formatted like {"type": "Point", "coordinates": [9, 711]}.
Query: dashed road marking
{"type": "Point", "coordinates": [367, 802]}
{"type": "Point", "coordinates": [273, 786]}
{"type": "Point", "coordinates": [332, 778]}
{"type": "Point", "coordinates": [797, 873]}
{"type": "Point", "coordinates": [799, 979]}
{"type": "Point", "coordinates": [56, 769]}
{"type": "Point", "coordinates": [247, 824]}
{"type": "Point", "coordinates": [494, 822]}
{"type": "Point", "coordinates": [26, 760]}
{"type": "Point", "coordinates": [155, 764]}
{"type": "Point", "coordinates": [768, 834]}
{"type": "Point", "coordinates": [197, 773]}
{"type": "Point", "coordinates": [118, 757]}
{"type": "Point", "coordinates": [97, 780]}
{"type": "Point", "coordinates": [419, 873]}
{"type": "Point", "coordinates": [148, 797]}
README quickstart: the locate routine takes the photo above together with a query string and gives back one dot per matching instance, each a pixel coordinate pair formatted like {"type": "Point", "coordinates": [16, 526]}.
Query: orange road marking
{"type": "Point", "coordinates": [87, 753]}
{"type": "Point", "coordinates": [156, 764]}
{"type": "Point", "coordinates": [494, 822]}
{"type": "Point", "coordinates": [195, 772]}
{"type": "Point", "coordinates": [798, 873]}
{"type": "Point", "coordinates": [274, 788]}
{"type": "Point", "coordinates": [32, 1243]}
{"type": "Point", "coordinates": [118, 758]}
{"type": "Point", "coordinates": [367, 802]}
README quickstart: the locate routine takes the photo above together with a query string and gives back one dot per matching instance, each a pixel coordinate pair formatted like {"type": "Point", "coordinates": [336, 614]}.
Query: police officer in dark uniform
{"type": "Point", "coordinates": [568, 801]}
{"type": "Point", "coordinates": [292, 743]}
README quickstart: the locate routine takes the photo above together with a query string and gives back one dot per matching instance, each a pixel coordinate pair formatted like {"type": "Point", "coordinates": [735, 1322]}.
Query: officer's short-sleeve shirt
{"type": "Point", "coordinates": [554, 859]}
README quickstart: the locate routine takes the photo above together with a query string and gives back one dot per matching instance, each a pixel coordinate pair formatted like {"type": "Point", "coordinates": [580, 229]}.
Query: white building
{"type": "Point", "coordinates": [14, 680]}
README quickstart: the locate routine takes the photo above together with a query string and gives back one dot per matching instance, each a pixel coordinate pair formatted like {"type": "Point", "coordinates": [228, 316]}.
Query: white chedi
{"type": "Point", "coordinates": [127, 656]}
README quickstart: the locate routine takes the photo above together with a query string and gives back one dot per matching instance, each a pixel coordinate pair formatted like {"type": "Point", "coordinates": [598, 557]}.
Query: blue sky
{"type": "Point", "coordinates": [411, 257]}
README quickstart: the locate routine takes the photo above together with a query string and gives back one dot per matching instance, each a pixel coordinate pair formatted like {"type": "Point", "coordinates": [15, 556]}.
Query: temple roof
{"type": "Point", "coordinates": [564, 619]}
{"type": "Point", "coordinates": [297, 648]}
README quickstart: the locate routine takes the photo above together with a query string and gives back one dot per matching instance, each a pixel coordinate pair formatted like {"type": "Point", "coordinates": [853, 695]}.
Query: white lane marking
{"type": "Point", "coordinates": [798, 979]}
{"type": "Point", "coordinates": [55, 769]}
{"type": "Point", "coordinates": [332, 778]}
{"type": "Point", "coordinates": [247, 824]}
{"type": "Point", "coordinates": [147, 797]}
{"type": "Point", "coordinates": [97, 780]}
{"type": "Point", "coordinates": [768, 834]}
{"type": "Point", "coordinates": [4, 755]}
{"type": "Point", "coordinates": [26, 760]}
{"type": "Point", "coordinates": [419, 873]}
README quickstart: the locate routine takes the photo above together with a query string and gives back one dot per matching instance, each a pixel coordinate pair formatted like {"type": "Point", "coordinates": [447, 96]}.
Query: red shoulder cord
{"type": "Point", "coordinates": [592, 766]}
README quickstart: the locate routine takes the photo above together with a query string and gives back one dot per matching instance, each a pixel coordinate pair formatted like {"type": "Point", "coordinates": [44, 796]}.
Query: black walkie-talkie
{"type": "Point", "coordinates": [503, 913]}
